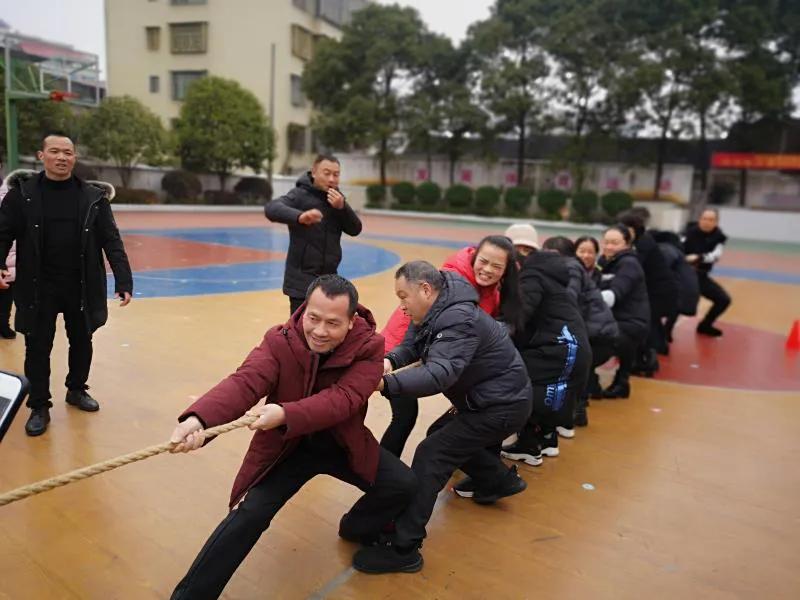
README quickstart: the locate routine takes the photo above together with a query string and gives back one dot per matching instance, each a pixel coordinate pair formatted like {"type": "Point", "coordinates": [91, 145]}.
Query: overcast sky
{"type": "Point", "coordinates": [80, 22]}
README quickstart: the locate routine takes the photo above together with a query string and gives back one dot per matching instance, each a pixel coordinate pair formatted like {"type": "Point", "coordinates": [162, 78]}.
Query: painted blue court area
{"type": "Point", "coordinates": [359, 260]}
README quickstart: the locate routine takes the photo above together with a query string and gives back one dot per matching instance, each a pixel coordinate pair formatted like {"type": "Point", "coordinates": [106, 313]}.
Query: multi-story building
{"type": "Point", "coordinates": [156, 48]}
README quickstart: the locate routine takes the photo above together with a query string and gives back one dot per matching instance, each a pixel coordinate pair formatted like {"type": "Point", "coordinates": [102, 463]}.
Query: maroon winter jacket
{"type": "Point", "coordinates": [333, 396]}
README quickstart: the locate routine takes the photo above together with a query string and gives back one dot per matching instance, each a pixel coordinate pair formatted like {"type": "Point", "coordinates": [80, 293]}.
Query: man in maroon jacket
{"type": "Point", "coordinates": [317, 372]}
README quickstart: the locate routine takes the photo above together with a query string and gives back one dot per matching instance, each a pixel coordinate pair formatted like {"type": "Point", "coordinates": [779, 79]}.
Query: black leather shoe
{"type": "Point", "coordinates": [387, 559]}
{"type": "Point", "coordinates": [82, 400]}
{"type": "Point", "coordinates": [38, 421]}
{"type": "Point", "coordinates": [618, 390]}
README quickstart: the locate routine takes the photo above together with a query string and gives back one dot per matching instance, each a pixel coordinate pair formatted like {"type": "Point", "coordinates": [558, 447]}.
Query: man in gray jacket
{"type": "Point", "coordinates": [469, 357]}
{"type": "Point", "coordinates": [317, 214]}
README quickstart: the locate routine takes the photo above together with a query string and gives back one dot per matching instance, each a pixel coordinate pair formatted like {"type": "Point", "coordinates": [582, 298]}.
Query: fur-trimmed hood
{"type": "Point", "coordinates": [17, 178]}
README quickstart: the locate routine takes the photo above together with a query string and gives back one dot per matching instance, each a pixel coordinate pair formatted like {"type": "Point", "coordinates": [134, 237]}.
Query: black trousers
{"type": "Point", "coordinates": [469, 441]}
{"type": "Point", "coordinates": [64, 298]}
{"type": "Point", "coordinates": [395, 485]}
{"type": "Point", "coordinates": [720, 300]}
{"type": "Point", "coordinates": [6, 300]}
{"type": "Point", "coordinates": [625, 350]}
{"type": "Point", "coordinates": [602, 351]}
{"type": "Point", "coordinates": [404, 416]}
{"type": "Point", "coordinates": [294, 304]}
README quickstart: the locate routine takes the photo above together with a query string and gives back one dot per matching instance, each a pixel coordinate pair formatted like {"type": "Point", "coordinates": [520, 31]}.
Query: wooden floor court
{"type": "Point", "coordinates": [689, 489]}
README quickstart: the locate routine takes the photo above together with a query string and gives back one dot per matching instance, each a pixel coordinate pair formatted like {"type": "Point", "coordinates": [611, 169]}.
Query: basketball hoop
{"type": "Point", "coordinates": [60, 96]}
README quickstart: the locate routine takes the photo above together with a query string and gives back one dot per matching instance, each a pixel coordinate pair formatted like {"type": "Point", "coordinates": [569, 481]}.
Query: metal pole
{"type": "Point", "coordinates": [12, 153]}
{"type": "Point", "coordinates": [272, 108]}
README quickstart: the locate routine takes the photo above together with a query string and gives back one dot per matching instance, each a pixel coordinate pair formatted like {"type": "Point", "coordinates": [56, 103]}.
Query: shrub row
{"type": "Point", "coordinates": [488, 200]}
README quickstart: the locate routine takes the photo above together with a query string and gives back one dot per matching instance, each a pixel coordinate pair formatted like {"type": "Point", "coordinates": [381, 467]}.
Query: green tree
{"type": "Point", "coordinates": [222, 127]}
{"type": "Point", "coordinates": [355, 82]}
{"type": "Point", "coordinates": [509, 46]}
{"type": "Point", "coordinates": [124, 131]}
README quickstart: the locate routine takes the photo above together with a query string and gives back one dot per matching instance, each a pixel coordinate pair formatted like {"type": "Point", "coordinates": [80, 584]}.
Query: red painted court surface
{"type": "Point", "coordinates": [688, 489]}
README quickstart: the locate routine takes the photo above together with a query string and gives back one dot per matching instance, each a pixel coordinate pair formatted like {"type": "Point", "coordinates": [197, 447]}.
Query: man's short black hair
{"type": "Point", "coordinates": [333, 286]}
{"type": "Point", "coordinates": [328, 157]}
{"type": "Point", "coordinates": [559, 243]}
{"type": "Point", "coordinates": [60, 134]}
{"type": "Point", "coordinates": [419, 271]}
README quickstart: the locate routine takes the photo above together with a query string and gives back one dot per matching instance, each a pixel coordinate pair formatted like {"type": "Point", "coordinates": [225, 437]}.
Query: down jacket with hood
{"type": "Point", "coordinates": [553, 342]}
{"type": "Point", "coordinates": [314, 250]}
{"type": "Point", "coordinates": [624, 277]}
{"type": "Point", "coordinates": [21, 220]}
{"type": "Point", "coordinates": [329, 396]}
{"type": "Point", "coordinates": [465, 353]}
{"type": "Point", "coordinates": [597, 316]}
{"type": "Point", "coordinates": [461, 263]}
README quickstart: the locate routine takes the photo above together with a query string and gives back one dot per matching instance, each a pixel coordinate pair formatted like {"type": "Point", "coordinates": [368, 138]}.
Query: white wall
{"type": "Point", "coordinates": [764, 225]}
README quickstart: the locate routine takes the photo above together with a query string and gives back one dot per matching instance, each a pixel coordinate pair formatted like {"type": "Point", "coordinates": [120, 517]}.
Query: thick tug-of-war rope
{"type": "Point", "coordinates": [112, 463]}
{"type": "Point", "coordinates": [120, 461]}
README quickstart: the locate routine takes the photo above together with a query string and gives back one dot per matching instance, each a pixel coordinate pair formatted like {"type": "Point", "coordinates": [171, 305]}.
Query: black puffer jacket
{"type": "Point", "coordinates": [466, 354]}
{"type": "Point", "coordinates": [662, 287]}
{"type": "Point", "coordinates": [624, 276]}
{"type": "Point", "coordinates": [598, 318]}
{"type": "Point", "coordinates": [688, 288]}
{"type": "Point", "coordinates": [314, 250]}
{"type": "Point", "coordinates": [21, 220]}
{"type": "Point", "coordinates": [707, 245]}
{"type": "Point", "coordinates": [553, 341]}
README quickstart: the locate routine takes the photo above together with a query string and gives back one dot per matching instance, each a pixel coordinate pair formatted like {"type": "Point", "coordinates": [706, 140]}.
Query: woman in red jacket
{"type": "Point", "coordinates": [492, 271]}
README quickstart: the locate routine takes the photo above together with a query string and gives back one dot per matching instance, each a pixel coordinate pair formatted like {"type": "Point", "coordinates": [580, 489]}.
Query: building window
{"type": "Point", "coordinates": [188, 38]}
{"type": "Point", "coordinates": [187, 2]}
{"type": "Point", "coordinates": [301, 4]}
{"type": "Point", "coordinates": [339, 12]}
{"type": "Point", "coordinates": [153, 37]}
{"type": "Point", "coordinates": [298, 97]}
{"type": "Point", "coordinates": [181, 81]}
{"type": "Point", "coordinates": [302, 42]}
{"type": "Point", "coordinates": [296, 136]}
{"type": "Point", "coordinates": [155, 84]}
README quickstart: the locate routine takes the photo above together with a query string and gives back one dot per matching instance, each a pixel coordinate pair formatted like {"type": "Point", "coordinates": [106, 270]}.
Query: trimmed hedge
{"type": "Point", "coordinates": [518, 200]}
{"type": "Point", "coordinates": [404, 193]}
{"type": "Point", "coordinates": [376, 195]}
{"type": "Point", "coordinates": [584, 204]}
{"type": "Point", "coordinates": [429, 193]}
{"type": "Point", "coordinates": [615, 202]}
{"type": "Point", "coordinates": [182, 187]}
{"type": "Point", "coordinates": [458, 198]}
{"type": "Point", "coordinates": [253, 190]}
{"type": "Point", "coordinates": [135, 196]}
{"type": "Point", "coordinates": [487, 199]}
{"type": "Point", "coordinates": [551, 202]}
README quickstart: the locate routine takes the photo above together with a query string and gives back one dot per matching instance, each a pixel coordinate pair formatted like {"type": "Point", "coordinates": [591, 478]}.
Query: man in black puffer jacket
{"type": "Point", "coordinates": [703, 247]}
{"type": "Point", "coordinates": [467, 356]}
{"type": "Point", "coordinates": [317, 214]}
{"type": "Point", "coordinates": [62, 226]}
{"type": "Point", "coordinates": [553, 342]}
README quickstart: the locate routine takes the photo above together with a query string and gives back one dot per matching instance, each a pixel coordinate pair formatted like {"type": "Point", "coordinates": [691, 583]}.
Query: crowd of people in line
{"type": "Point", "coordinates": [510, 330]}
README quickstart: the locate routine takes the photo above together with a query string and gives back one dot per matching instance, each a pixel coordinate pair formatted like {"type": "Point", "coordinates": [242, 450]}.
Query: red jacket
{"type": "Point", "coordinates": [285, 370]}
{"type": "Point", "coordinates": [460, 262]}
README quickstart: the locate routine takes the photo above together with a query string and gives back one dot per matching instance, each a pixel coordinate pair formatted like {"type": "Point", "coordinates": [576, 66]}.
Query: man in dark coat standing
{"type": "Point", "coordinates": [469, 357]}
{"type": "Point", "coordinates": [317, 372]}
{"type": "Point", "coordinates": [317, 214]}
{"type": "Point", "coordinates": [62, 226]}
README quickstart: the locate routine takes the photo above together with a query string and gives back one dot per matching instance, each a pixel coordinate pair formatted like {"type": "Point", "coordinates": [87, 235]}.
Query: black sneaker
{"type": "Point", "coordinates": [387, 558]}
{"type": "Point", "coordinates": [82, 400]}
{"type": "Point", "coordinates": [465, 488]}
{"type": "Point", "coordinates": [549, 444]}
{"type": "Point", "coordinates": [38, 421]}
{"type": "Point", "coordinates": [618, 390]}
{"type": "Point", "coordinates": [510, 484]}
{"type": "Point", "coordinates": [709, 330]}
{"type": "Point", "coordinates": [529, 454]}
{"type": "Point", "coordinates": [7, 333]}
